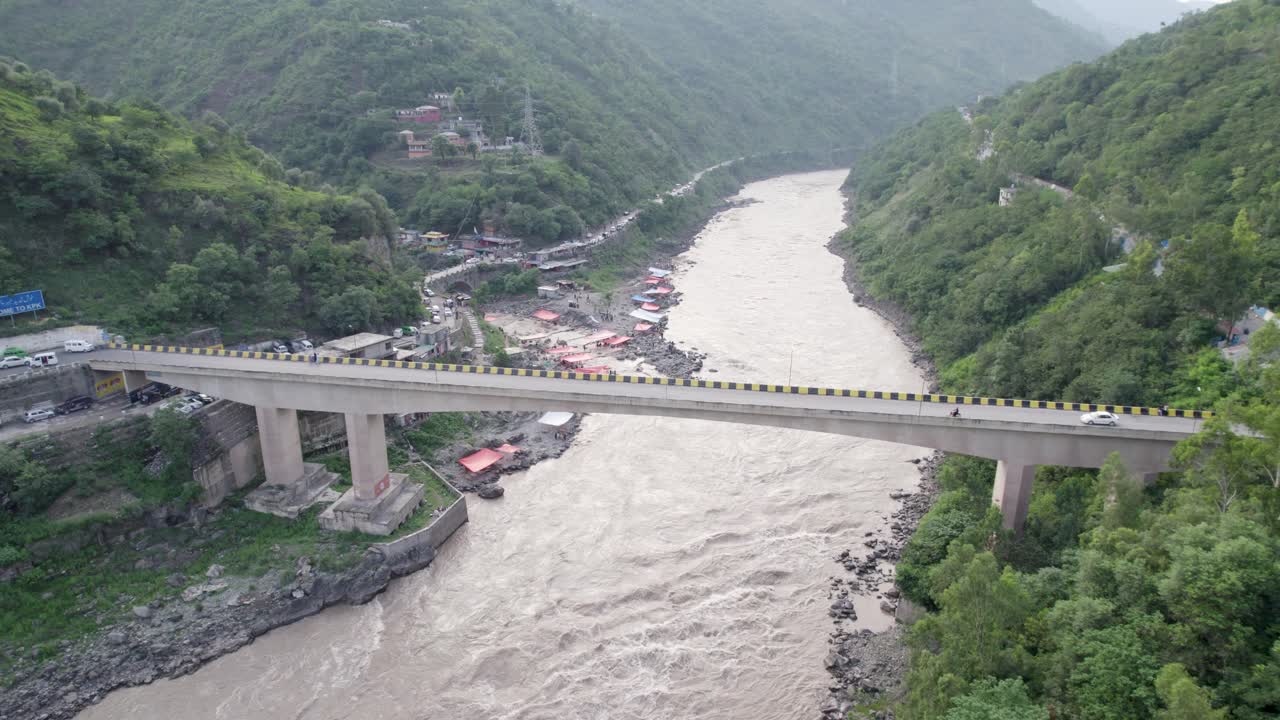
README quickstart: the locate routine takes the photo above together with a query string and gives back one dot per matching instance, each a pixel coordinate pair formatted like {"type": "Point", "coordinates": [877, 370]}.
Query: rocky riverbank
{"type": "Point", "coordinates": [868, 669]}
{"type": "Point", "coordinates": [215, 616]}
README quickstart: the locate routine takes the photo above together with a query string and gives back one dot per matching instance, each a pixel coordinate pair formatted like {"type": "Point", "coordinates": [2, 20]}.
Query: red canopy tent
{"type": "Point", "coordinates": [507, 448]}
{"type": "Point", "coordinates": [490, 318]}
{"type": "Point", "coordinates": [480, 460]}
{"type": "Point", "coordinates": [577, 359]}
{"type": "Point", "coordinates": [546, 315]}
{"type": "Point", "coordinates": [615, 342]}
{"type": "Point", "coordinates": [601, 370]}
{"type": "Point", "coordinates": [652, 280]}
{"type": "Point", "coordinates": [602, 335]}
{"type": "Point", "coordinates": [650, 307]}
{"type": "Point", "coordinates": [643, 327]}
{"type": "Point", "coordinates": [562, 350]}
{"type": "Point", "coordinates": [663, 290]}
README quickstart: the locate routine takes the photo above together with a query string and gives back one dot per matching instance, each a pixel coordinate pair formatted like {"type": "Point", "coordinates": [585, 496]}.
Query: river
{"type": "Point", "coordinates": [660, 568]}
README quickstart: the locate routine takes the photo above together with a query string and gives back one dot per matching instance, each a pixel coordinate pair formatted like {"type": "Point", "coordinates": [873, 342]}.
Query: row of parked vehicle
{"type": "Point", "coordinates": [66, 407]}
{"type": "Point", "coordinates": [292, 347]}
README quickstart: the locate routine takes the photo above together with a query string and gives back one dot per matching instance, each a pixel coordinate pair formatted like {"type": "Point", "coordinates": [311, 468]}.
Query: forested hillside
{"type": "Point", "coordinates": [129, 216]}
{"type": "Point", "coordinates": [624, 107]}
{"type": "Point", "coordinates": [1121, 602]}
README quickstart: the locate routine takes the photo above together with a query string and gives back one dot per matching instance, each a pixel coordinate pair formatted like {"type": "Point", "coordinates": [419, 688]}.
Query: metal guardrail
{"type": "Point", "coordinates": [677, 382]}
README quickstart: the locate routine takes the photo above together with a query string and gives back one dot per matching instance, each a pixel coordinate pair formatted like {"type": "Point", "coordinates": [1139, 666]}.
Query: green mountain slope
{"type": "Point", "coordinates": [1122, 599]}
{"type": "Point", "coordinates": [631, 104]}
{"type": "Point", "coordinates": [129, 216]}
{"type": "Point", "coordinates": [1170, 137]}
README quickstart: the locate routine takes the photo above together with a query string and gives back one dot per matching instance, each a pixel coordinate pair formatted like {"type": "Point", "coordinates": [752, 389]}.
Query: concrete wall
{"type": "Point", "coordinates": [321, 431]}
{"type": "Point", "coordinates": [435, 534]}
{"type": "Point", "coordinates": [228, 455]}
{"type": "Point", "coordinates": [53, 339]}
{"type": "Point", "coordinates": [21, 391]}
{"type": "Point", "coordinates": [229, 470]}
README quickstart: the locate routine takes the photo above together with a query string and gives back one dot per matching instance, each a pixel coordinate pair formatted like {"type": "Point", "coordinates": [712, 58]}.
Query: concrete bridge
{"type": "Point", "coordinates": [1019, 434]}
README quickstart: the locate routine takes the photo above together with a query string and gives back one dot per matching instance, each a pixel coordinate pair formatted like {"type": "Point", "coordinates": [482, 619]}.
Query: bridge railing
{"type": "Point", "coordinates": [677, 382]}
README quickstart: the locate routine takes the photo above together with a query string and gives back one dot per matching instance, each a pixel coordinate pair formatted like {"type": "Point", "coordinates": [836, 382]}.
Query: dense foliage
{"type": "Point", "coordinates": [624, 109]}
{"type": "Point", "coordinates": [1171, 137]}
{"type": "Point", "coordinates": [131, 217]}
{"type": "Point", "coordinates": [1120, 602]}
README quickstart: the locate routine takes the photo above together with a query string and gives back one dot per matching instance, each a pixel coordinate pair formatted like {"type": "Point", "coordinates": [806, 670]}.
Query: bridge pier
{"type": "Point", "coordinates": [291, 485]}
{"type": "Point", "coordinates": [281, 445]}
{"type": "Point", "coordinates": [378, 500]}
{"type": "Point", "coordinates": [367, 448]}
{"type": "Point", "coordinates": [1012, 492]}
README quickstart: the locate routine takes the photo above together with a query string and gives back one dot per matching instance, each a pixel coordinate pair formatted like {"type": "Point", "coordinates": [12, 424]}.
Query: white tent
{"type": "Point", "coordinates": [555, 419]}
{"type": "Point", "coordinates": [645, 315]}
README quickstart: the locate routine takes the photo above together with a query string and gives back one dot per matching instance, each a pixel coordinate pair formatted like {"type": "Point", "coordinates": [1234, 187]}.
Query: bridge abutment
{"type": "Point", "coordinates": [1012, 492]}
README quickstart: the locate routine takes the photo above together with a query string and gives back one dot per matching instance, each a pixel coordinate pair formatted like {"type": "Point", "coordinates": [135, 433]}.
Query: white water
{"type": "Point", "coordinates": [660, 568]}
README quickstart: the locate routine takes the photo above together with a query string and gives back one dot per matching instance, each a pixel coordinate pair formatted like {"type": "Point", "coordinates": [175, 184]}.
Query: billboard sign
{"type": "Point", "coordinates": [22, 302]}
{"type": "Point", "coordinates": [109, 385]}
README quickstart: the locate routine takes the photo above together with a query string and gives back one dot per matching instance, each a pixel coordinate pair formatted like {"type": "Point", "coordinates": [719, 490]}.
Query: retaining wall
{"type": "Point", "coordinates": [21, 391]}
{"type": "Point", "coordinates": [53, 339]}
{"type": "Point", "coordinates": [435, 534]}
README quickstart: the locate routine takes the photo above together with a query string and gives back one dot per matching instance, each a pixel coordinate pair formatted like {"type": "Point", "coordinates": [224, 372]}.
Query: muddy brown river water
{"type": "Point", "coordinates": [660, 568]}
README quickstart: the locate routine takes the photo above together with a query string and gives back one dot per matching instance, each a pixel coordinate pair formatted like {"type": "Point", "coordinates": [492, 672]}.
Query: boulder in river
{"type": "Point", "coordinates": [491, 492]}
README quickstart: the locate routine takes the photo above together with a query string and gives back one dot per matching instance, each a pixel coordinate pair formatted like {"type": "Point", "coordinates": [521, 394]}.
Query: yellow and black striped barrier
{"type": "Point", "coordinates": [678, 382]}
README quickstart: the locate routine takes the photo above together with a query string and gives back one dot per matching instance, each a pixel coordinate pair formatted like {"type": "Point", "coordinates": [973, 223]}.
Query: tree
{"type": "Point", "coordinates": [441, 147]}
{"type": "Point", "coordinates": [175, 436]}
{"type": "Point", "coordinates": [280, 293]}
{"type": "Point", "coordinates": [1215, 270]}
{"type": "Point", "coordinates": [996, 700]}
{"type": "Point", "coordinates": [1121, 493]}
{"type": "Point", "coordinates": [1182, 698]}
{"type": "Point", "coordinates": [573, 154]}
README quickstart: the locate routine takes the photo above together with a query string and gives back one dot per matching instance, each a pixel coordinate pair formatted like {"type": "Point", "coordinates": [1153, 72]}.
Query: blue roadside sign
{"type": "Point", "coordinates": [22, 302]}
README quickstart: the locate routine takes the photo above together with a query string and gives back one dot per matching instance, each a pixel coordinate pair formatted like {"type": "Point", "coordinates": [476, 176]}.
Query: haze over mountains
{"type": "Point", "coordinates": [1119, 20]}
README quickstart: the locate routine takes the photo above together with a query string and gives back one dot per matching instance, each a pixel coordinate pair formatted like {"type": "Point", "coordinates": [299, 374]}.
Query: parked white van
{"type": "Point", "coordinates": [78, 346]}
{"type": "Point", "coordinates": [42, 359]}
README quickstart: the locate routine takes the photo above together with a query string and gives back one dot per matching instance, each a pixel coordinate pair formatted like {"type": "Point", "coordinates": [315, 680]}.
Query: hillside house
{"type": "Point", "coordinates": [454, 138]}
{"type": "Point", "coordinates": [419, 148]}
{"type": "Point", "coordinates": [443, 99]}
{"type": "Point", "coordinates": [420, 114]}
{"type": "Point", "coordinates": [490, 245]}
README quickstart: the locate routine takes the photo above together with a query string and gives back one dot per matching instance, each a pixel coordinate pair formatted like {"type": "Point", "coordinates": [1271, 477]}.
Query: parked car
{"type": "Point", "coordinates": [12, 361]}
{"type": "Point", "coordinates": [35, 416]}
{"type": "Point", "coordinates": [199, 397]}
{"type": "Point", "coordinates": [15, 352]}
{"type": "Point", "coordinates": [435, 318]}
{"type": "Point", "coordinates": [304, 346]}
{"type": "Point", "coordinates": [186, 407]}
{"type": "Point", "coordinates": [75, 404]}
{"type": "Point", "coordinates": [430, 292]}
{"type": "Point", "coordinates": [78, 346]}
{"type": "Point", "coordinates": [1099, 418]}
{"type": "Point", "coordinates": [280, 348]}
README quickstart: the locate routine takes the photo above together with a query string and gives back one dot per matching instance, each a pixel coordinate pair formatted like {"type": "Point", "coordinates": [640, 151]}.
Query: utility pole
{"type": "Point", "coordinates": [529, 129]}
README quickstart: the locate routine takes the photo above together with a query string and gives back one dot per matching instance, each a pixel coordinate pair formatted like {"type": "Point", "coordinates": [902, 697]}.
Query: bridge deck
{"type": "Point", "coordinates": [1050, 417]}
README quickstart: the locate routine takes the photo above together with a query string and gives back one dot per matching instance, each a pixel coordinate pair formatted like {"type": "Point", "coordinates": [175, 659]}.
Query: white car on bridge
{"type": "Point", "coordinates": [1099, 418]}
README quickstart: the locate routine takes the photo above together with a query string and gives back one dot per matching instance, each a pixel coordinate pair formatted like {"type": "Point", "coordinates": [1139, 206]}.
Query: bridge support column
{"type": "Point", "coordinates": [291, 485]}
{"type": "Point", "coordinates": [1012, 492]}
{"type": "Point", "coordinates": [367, 447]}
{"type": "Point", "coordinates": [379, 500]}
{"type": "Point", "coordinates": [281, 445]}
{"type": "Point", "coordinates": [134, 380]}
